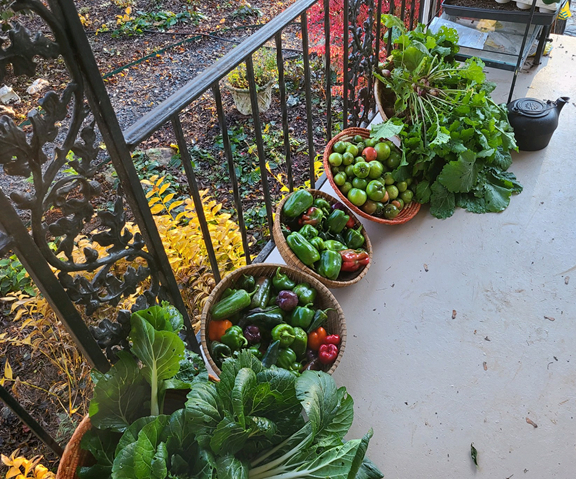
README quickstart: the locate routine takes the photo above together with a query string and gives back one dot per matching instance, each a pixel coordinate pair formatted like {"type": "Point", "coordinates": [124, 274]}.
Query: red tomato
{"type": "Point", "coordinates": [369, 153]}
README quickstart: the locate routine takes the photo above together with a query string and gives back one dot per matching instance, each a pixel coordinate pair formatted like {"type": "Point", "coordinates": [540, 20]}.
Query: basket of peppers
{"type": "Point", "coordinates": [283, 316]}
{"type": "Point", "coordinates": [316, 233]}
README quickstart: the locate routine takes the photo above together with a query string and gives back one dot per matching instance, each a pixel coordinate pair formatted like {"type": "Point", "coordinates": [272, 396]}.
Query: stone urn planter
{"type": "Point", "coordinates": [242, 102]}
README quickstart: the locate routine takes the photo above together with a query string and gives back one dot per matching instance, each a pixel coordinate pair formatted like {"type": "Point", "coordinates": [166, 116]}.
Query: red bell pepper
{"type": "Point", "coordinates": [350, 223]}
{"type": "Point", "coordinates": [327, 353]}
{"type": "Point", "coordinates": [332, 339]}
{"type": "Point", "coordinates": [353, 260]}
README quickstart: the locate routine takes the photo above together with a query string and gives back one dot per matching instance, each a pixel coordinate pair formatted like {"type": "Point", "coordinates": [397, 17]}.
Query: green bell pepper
{"type": "Point", "coordinates": [297, 203]}
{"type": "Point", "coordinates": [313, 216]}
{"type": "Point", "coordinates": [255, 350]}
{"type": "Point", "coordinates": [336, 222]}
{"type": "Point", "coordinates": [265, 319]}
{"type": "Point", "coordinates": [230, 305]}
{"type": "Point", "coordinates": [354, 238]}
{"type": "Point", "coordinates": [334, 245]}
{"type": "Point", "coordinates": [219, 352]}
{"type": "Point", "coordinates": [302, 317]}
{"type": "Point", "coordinates": [330, 264]}
{"type": "Point", "coordinates": [283, 333]}
{"type": "Point", "coordinates": [234, 338]}
{"type": "Point", "coordinates": [261, 293]}
{"type": "Point", "coordinates": [303, 249]}
{"type": "Point", "coordinates": [287, 359]}
{"type": "Point", "coordinates": [306, 293]}
{"type": "Point", "coordinates": [282, 282]}
{"type": "Point", "coordinates": [308, 231]}
{"type": "Point", "coordinates": [246, 282]}
{"type": "Point", "coordinates": [318, 243]}
{"type": "Point", "coordinates": [300, 343]}
{"type": "Point", "coordinates": [323, 205]}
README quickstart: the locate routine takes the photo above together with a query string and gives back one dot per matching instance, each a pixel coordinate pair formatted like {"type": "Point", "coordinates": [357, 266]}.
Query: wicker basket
{"type": "Point", "coordinates": [405, 215]}
{"type": "Point", "coordinates": [74, 456]}
{"type": "Point", "coordinates": [346, 278]}
{"type": "Point", "coordinates": [325, 299]}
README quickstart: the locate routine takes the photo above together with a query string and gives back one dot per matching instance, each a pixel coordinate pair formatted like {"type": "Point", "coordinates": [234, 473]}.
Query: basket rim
{"type": "Point", "coordinates": [293, 260]}
{"type": "Point", "coordinates": [405, 215]}
{"type": "Point", "coordinates": [322, 290]}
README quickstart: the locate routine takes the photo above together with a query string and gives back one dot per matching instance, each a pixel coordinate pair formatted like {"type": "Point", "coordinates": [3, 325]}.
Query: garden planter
{"type": "Point", "coordinates": [242, 102]}
{"type": "Point", "coordinates": [346, 279]}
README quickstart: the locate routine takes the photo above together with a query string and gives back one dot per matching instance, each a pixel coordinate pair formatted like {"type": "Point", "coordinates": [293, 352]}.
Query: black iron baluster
{"type": "Point", "coordinates": [231, 169]}
{"type": "Point", "coordinates": [378, 33]}
{"type": "Point", "coordinates": [412, 10]}
{"type": "Point", "coordinates": [389, 43]}
{"type": "Point", "coordinates": [43, 277]}
{"type": "Point", "coordinates": [191, 177]}
{"type": "Point", "coordinates": [310, 132]}
{"type": "Point", "coordinates": [284, 106]}
{"type": "Point", "coordinates": [259, 140]}
{"type": "Point", "coordinates": [402, 10]}
{"type": "Point", "coordinates": [38, 430]}
{"type": "Point", "coordinates": [328, 73]}
{"type": "Point", "coordinates": [346, 47]}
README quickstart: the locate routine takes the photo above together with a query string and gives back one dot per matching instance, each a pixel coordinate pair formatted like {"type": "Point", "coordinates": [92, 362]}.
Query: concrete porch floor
{"type": "Point", "coordinates": [464, 330]}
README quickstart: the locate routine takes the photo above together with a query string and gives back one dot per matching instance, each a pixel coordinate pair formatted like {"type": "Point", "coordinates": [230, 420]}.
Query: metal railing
{"type": "Point", "coordinates": [67, 289]}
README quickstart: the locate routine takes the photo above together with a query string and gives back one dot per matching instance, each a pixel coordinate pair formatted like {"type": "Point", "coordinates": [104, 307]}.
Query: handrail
{"type": "Point", "coordinates": [175, 103]}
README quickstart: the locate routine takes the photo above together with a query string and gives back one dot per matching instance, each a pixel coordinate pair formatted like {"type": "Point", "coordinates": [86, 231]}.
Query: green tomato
{"type": "Point", "coordinates": [361, 169]}
{"type": "Point", "coordinates": [392, 192]}
{"type": "Point", "coordinates": [349, 170]}
{"type": "Point", "coordinates": [361, 146]}
{"type": "Point", "coordinates": [360, 183]}
{"type": "Point", "coordinates": [357, 139]}
{"type": "Point", "coordinates": [357, 196]}
{"type": "Point", "coordinates": [359, 159]}
{"type": "Point", "coordinates": [393, 160]}
{"type": "Point", "coordinates": [407, 196]}
{"type": "Point", "coordinates": [370, 207]}
{"type": "Point", "coordinates": [402, 186]}
{"type": "Point", "coordinates": [340, 147]}
{"type": "Point", "coordinates": [371, 142]}
{"type": "Point", "coordinates": [376, 190]}
{"type": "Point", "coordinates": [383, 151]}
{"type": "Point", "coordinates": [346, 187]}
{"type": "Point", "coordinates": [390, 211]}
{"type": "Point", "coordinates": [388, 179]}
{"type": "Point", "coordinates": [376, 170]}
{"type": "Point", "coordinates": [352, 150]}
{"type": "Point", "coordinates": [398, 203]}
{"type": "Point", "coordinates": [335, 159]}
{"type": "Point", "coordinates": [347, 158]}
{"type": "Point", "coordinates": [409, 181]}
{"type": "Point", "coordinates": [340, 178]}
{"type": "Point", "coordinates": [379, 208]}
{"type": "Point", "coordinates": [336, 169]}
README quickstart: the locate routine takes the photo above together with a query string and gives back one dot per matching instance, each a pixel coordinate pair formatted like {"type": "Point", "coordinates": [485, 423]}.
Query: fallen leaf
{"type": "Point", "coordinates": [474, 454]}
{"type": "Point", "coordinates": [485, 366]}
{"type": "Point", "coordinates": [549, 318]}
{"type": "Point", "coordinates": [532, 423]}
{"type": "Point", "coordinates": [566, 279]}
{"type": "Point", "coordinates": [453, 314]}
{"type": "Point", "coordinates": [425, 267]}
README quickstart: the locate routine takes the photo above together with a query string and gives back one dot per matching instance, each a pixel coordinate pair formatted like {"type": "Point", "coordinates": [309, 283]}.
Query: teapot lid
{"type": "Point", "coordinates": [530, 107]}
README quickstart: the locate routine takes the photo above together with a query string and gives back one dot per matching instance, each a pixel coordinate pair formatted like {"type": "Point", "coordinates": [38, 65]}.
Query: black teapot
{"type": "Point", "coordinates": [534, 121]}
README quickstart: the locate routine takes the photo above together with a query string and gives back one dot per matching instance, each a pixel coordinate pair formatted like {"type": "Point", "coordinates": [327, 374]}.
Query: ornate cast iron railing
{"type": "Point", "coordinates": [90, 278]}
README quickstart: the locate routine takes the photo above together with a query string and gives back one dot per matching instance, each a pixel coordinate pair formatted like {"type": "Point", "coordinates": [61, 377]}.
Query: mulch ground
{"type": "Point", "coordinates": [135, 91]}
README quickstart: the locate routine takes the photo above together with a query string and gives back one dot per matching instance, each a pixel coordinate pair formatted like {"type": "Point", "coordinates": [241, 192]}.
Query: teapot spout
{"type": "Point", "coordinates": [561, 102]}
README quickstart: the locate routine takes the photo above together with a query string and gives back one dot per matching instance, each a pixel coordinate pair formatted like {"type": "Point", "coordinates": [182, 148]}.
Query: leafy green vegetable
{"type": "Point", "coordinates": [456, 140]}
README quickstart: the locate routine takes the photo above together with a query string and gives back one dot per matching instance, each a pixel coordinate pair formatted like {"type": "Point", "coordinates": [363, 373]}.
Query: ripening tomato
{"type": "Point", "coordinates": [369, 154]}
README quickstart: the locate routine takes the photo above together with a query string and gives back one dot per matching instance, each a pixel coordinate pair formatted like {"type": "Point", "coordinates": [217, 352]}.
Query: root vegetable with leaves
{"type": "Point", "coordinates": [456, 139]}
